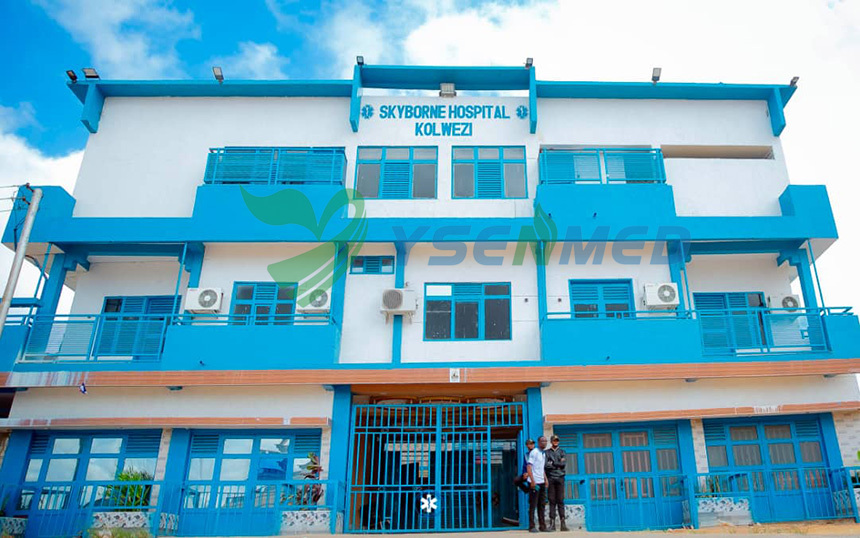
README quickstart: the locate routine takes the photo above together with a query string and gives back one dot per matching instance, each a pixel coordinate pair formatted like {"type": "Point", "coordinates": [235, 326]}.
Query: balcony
{"type": "Point", "coordinates": [655, 337]}
{"type": "Point", "coordinates": [275, 166]}
{"type": "Point", "coordinates": [178, 342]}
{"type": "Point", "coordinates": [617, 187]}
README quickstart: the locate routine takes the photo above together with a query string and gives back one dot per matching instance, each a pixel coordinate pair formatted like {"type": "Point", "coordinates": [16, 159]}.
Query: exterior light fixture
{"type": "Point", "coordinates": [447, 89]}
{"type": "Point", "coordinates": [219, 74]}
{"type": "Point", "coordinates": [529, 63]}
{"type": "Point", "coordinates": [655, 74]}
{"type": "Point", "coordinates": [359, 60]}
{"type": "Point", "coordinates": [90, 72]}
{"type": "Point", "coordinates": [794, 80]}
{"type": "Point", "coordinates": [72, 76]}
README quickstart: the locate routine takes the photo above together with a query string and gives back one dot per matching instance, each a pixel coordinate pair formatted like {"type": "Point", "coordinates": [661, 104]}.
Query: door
{"type": "Point", "coordinates": [240, 483]}
{"type": "Point", "coordinates": [732, 322]}
{"type": "Point", "coordinates": [430, 467]}
{"type": "Point", "coordinates": [625, 477]}
{"type": "Point", "coordinates": [133, 327]}
{"type": "Point", "coordinates": [780, 461]}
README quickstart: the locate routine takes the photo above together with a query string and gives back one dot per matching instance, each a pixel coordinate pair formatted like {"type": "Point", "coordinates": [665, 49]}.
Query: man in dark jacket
{"type": "Point", "coordinates": [555, 468]}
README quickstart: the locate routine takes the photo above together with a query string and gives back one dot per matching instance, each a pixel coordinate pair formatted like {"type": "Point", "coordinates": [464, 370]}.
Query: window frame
{"type": "Point", "coordinates": [481, 298]}
{"type": "Point", "coordinates": [253, 303]}
{"type": "Point", "coordinates": [383, 269]}
{"type": "Point", "coordinates": [412, 162]}
{"type": "Point", "coordinates": [602, 313]}
{"type": "Point", "coordinates": [501, 160]}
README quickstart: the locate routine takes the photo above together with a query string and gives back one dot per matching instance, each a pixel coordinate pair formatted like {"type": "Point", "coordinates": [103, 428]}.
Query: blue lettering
{"type": "Point", "coordinates": [446, 128]}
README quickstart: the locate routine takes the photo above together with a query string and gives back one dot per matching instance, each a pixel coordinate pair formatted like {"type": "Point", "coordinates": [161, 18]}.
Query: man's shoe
{"type": "Point", "coordinates": [564, 528]}
{"type": "Point", "coordinates": [532, 529]}
{"type": "Point", "coordinates": [544, 529]}
{"type": "Point", "coordinates": [552, 527]}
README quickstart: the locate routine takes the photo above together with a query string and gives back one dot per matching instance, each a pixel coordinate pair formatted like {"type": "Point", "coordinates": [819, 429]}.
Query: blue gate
{"type": "Point", "coordinates": [782, 457]}
{"type": "Point", "coordinates": [625, 477]}
{"type": "Point", "coordinates": [429, 467]}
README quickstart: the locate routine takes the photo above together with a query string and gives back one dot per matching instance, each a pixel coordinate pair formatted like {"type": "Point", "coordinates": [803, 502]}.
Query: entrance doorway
{"type": "Point", "coordinates": [434, 467]}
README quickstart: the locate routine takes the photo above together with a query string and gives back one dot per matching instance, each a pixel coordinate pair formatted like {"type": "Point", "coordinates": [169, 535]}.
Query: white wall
{"type": "Point", "coordinates": [150, 153]}
{"type": "Point", "coordinates": [638, 396]}
{"type": "Point", "coordinates": [740, 272]}
{"type": "Point", "coordinates": [226, 263]}
{"type": "Point", "coordinates": [365, 337]}
{"type": "Point", "coordinates": [198, 402]}
{"type": "Point", "coordinates": [112, 278]}
{"type": "Point", "coordinates": [525, 335]}
{"type": "Point", "coordinates": [727, 187]}
{"type": "Point", "coordinates": [558, 275]}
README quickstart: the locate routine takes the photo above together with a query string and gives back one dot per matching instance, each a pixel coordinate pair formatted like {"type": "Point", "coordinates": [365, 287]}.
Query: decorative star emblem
{"type": "Point", "coordinates": [428, 503]}
{"type": "Point", "coordinates": [522, 112]}
{"type": "Point", "coordinates": [367, 112]}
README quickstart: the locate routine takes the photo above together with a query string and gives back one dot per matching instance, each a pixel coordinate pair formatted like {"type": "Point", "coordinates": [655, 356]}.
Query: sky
{"type": "Point", "coordinates": [749, 41]}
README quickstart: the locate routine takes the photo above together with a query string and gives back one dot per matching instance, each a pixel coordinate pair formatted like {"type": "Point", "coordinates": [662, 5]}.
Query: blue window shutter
{"type": "Point", "coordinates": [617, 293]}
{"type": "Point", "coordinates": [133, 305]}
{"type": "Point", "coordinates": [710, 301]}
{"type": "Point", "coordinates": [306, 442]}
{"type": "Point", "coordinates": [372, 265]}
{"type": "Point", "coordinates": [584, 292]}
{"type": "Point", "coordinates": [161, 305]}
{"type": "Point", "coordinates": [466, 289]}
{"type": "Point", "coordinates": [204, 443]}
{"type": "Point", "coordinates": [396, 180]}
{"type": "Point", "coordinates": [265, 293]}
{"type": "Point", "coordinates": [143, 442]}
{"type": "Point", "coordinates": [714, 432]}
{"type": "Point", "coordinates": [488, 179]}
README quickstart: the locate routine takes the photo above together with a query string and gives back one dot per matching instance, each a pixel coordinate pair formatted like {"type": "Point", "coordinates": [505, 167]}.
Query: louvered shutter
{"type": "Point", "coordinates": [205, 443]}
{"type": "Point", "coordinates": [714, 320]}
{"type": "Point", "coordinates": [744, 323]}
{"type": "Point", "coordinates": [488, 179]}
{"type": "Point", "coordinates": [143, 442]}
{"type": "Point", "coordinates": [372, 265]}
{"type": "Point", "coordinates": [307, 442]}
{"type": "Point", "coordinates": [395, 182]}
{"type": "Point", "coordinates": [617, 293]}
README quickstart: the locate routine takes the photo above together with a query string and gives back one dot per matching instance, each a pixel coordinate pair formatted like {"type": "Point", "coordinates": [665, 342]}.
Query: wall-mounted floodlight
{"type": "Point", "coordinates": [72, 76]}
{"type": "Point", "coordinates": [529, 63]}
{"type": "Point", "coordinates": [447, 89]}
{"type": "Point", "coordinates": [219, 74]}
{"type": "Point", "coordinates": [359, 60]}
{"type": "Point", "coordinates": [655, 74]}
{"type": "Point", "coordinates": [794, 80]}
{"type": "Point", "coordinates": [90, 72]}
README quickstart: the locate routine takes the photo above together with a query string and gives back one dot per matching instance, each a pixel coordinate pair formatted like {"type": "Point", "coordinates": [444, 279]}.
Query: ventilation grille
{"type": "Point", "coordinates": [39, 443]}
{"type": "Point", "coordinates": [567, 438]}
{"type": "Point", "coordinates": [666, 436]}
{"type": "Point", "coordinates": [204, 443]}
{"type": "Point", "coordinates": [307, 442]}
{"type": "Point", "coordinates": [807, 428]}
{"type": "Point", "coordinates": [714, 433]}
{"type": "Point", "coordinates": [143, 442]}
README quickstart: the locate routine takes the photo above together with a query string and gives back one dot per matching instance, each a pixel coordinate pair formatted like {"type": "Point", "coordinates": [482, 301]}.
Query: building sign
{"type": "Point", "coordinates": [444, 120]}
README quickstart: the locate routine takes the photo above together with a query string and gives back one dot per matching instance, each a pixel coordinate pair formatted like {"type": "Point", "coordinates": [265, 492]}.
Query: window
{"type": "Point", "coordinates": [240, 469]}
{"type": "Point", "coordinates": [372, 265]}
{"type": "Point", "coordinates": [601, 298]}
{"type": "Point", "coordinates": [396, 172]}
{"type": "Point", "coordinates": [732, 321]}
{"type": "Point", "coordinates": [467, 311]}
{"type": "Point", "coordinates": [489, 172]}
{"type": "Point", "coordinates": [264, 303]}
{"type": "Point", "coordinates": [134, 325]}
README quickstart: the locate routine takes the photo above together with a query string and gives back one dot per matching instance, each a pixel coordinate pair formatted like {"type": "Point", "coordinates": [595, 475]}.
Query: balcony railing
{"type": "Point", "coordinates": [100, 337]}
{"type": "Point", "coordinates": [209, 320]}
{"type": "Point", "coordinates": [275, 166]}
{"type": "Point", "coordinates": [764, 330]}
{"type": "Point", "coordinates": [162, 508]}
{"type": "Point", "coordinates": [601, 165]}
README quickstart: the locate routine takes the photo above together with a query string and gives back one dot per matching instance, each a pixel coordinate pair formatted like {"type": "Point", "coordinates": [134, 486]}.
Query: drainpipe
{"type": "Point", "coordinates": [18, 260]}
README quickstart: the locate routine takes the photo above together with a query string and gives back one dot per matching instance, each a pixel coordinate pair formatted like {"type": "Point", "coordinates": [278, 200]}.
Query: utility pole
{"type": "Point", "coordinates": [18, 260]}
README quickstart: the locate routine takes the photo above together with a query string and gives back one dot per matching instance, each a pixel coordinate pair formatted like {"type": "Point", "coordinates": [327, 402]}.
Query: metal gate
{"type": "Point", "coordinates": [428, 467]}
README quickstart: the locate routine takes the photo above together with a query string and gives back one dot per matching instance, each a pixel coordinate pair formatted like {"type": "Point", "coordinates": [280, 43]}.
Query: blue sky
{"type": "Point", "coordinates": [768, 41]}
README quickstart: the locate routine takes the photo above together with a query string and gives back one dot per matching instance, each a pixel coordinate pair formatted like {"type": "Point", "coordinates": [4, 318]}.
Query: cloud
{"type": "Point", "coordinates": [253, 61]}
{"type": "Point", "coordinates": [21, 163]}
{"type": "Point", "coordinates": [14, 118]}
{"type": "Point", "coordinates": [127, 39]}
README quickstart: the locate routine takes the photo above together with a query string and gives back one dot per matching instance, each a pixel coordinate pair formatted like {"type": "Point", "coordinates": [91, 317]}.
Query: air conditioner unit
{"type": "Point", "coordinates": [661, 296]}
{"type": "Point", "coordinates": [203, 300]}
{"type": "Point", "coordinates": [398, 301]}
{"type": "Point", "coordinates": [319, 301]}
{"type": "Point", "coordinates": [789, 302]}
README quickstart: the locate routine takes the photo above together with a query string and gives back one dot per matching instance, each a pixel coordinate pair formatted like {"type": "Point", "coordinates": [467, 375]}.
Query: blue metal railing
{"type": "Point", "coordinates": [620, 314]}
{"type": "Point", "coordinates": [127, 338]}
{"type": "Point", "coordinates": [103, 337]}
{"type": "Point", "coordinates": [162, 508]}
{"type": "Point", "coordinates": [740, 331]}
{"type": "Point", "coordinates": [275, 166]}
{"type": "Point", "coordinates": [601, 165]}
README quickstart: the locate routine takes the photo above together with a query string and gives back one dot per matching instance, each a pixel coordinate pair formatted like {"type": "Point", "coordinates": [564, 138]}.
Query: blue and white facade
{"type": "Point", "coordinates": [308, 305]}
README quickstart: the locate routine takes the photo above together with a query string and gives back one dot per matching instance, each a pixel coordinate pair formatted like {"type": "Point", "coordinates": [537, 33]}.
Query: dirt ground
{"type": "Point", "coordinates": [814, 528]}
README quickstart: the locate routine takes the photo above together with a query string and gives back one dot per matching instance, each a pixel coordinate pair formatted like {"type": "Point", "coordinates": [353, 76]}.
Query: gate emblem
{"type": "Point", "coordinates": [428, 503]}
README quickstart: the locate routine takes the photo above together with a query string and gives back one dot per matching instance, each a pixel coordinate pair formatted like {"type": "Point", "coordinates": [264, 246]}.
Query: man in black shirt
{"type": "Point", "coordinates": [555, 468]}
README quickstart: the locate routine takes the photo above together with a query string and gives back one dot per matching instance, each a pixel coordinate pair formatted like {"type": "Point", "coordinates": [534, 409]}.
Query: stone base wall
{"type": "Point", "coordinates": [848, 431]}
